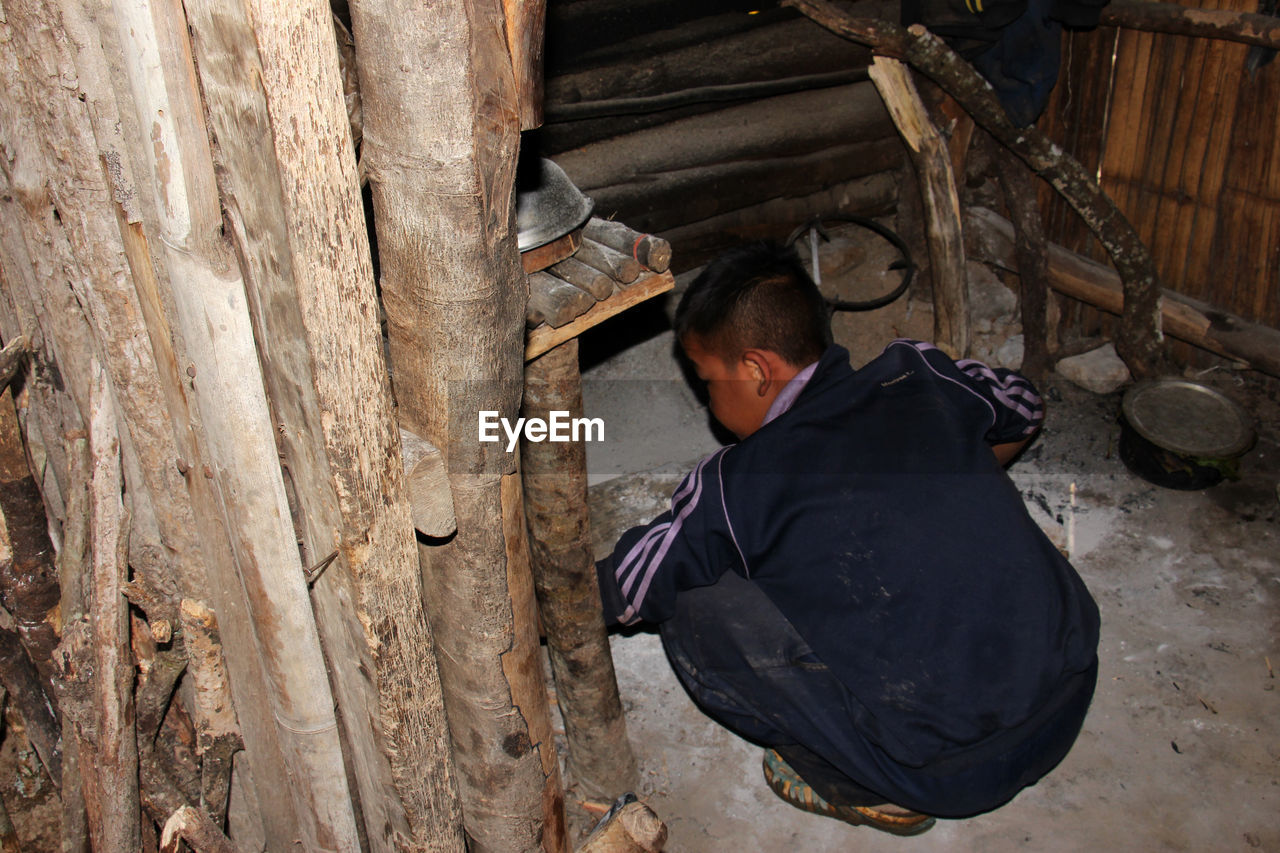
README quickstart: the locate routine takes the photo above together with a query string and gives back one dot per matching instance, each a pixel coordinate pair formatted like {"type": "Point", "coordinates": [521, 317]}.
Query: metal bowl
{"type": "Point", "coordinates": [548, 205]}
{"type": "Point", "coordinates": [1182, 434]}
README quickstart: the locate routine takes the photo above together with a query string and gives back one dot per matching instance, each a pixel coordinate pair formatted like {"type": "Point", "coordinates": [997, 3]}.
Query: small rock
{"type": "Point", "coordinates": [1010, 353]}
{"type": "Point", "coordinates": [1100, 371]}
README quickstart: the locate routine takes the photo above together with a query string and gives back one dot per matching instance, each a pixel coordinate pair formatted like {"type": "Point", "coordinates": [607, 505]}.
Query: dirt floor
{"type": "Point", "coordinates": [1182, 743]}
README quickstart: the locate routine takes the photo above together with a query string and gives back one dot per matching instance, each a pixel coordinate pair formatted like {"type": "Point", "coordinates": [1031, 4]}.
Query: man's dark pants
{"type": "Point", "coordinates": [745, 666]}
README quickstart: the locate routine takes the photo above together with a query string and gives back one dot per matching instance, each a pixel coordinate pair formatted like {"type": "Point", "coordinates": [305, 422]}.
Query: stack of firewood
{"type": "Point", "coordinates": [611, 257]}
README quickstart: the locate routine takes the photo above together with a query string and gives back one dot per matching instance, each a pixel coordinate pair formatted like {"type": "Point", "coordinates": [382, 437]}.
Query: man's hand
{"type": "Point", "coordinates": [1006, 452]}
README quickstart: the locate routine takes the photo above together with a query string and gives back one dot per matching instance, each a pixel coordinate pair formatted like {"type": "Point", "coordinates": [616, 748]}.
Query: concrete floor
{"type": "Point", "coordinates": [1181, 748]}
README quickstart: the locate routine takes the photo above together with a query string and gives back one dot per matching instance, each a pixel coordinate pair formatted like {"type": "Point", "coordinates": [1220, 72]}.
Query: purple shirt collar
{"type": "Point", "coordinates": [787, 396]}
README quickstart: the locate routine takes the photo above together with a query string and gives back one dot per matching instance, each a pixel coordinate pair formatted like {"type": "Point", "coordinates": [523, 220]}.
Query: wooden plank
{"type": "Point", "coordinates": [551, 253]}
{"type": "Point", "coordinates": [543, 338]}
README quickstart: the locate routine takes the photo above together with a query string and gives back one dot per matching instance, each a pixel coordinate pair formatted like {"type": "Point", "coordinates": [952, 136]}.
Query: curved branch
{"type": "Point", "coordinates": [1140, 333]}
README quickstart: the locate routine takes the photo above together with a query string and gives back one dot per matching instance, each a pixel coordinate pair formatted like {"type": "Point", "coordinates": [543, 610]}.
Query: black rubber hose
{"type": "Point", "coordinates": [906, 264]}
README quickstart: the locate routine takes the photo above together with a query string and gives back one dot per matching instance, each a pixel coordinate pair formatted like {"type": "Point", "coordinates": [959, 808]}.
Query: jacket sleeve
{"type": "Point", "coordinates": [1014, 405]}
{"type": "Point", "coordinates": [1017, 408]}
{"type": "Point", "coordinates": [689, 545]}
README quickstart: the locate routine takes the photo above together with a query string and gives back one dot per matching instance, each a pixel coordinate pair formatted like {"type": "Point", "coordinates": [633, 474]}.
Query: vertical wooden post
{"type": "Point", "coordinates": [111, 743]}
{"type": "Point", "coordinates": [442, 175]}
{"type": "Point", "coordinates": [932, 161]}
{"type": "Point", "coordinates": [286, 153]}
{"type": "Point", "coordinates": [600, 759]}
{"type": "Point", "coordinates": [179, 206]}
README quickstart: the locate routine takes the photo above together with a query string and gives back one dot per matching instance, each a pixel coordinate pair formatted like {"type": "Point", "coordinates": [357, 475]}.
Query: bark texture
{"type": "Point", "coordinates": [442, 176]}
{"type": "Point", "coordinates": [600, 761]}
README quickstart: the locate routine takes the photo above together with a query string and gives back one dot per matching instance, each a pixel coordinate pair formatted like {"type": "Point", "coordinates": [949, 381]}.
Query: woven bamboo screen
{"type": "Point", "coordinates": [1186, 141]}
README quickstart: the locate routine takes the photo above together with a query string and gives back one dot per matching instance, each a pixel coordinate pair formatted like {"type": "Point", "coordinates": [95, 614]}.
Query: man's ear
{"type": "Point", "coordinates": [760, 367]}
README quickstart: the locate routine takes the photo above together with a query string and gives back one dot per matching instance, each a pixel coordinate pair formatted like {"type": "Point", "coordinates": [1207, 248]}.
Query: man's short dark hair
{"type": "Point", "coordinates": [760, 296]}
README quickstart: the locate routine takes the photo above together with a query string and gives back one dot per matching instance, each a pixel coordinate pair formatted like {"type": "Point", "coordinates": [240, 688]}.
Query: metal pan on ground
{"type": "Point", "coordinates": [1182, 434]}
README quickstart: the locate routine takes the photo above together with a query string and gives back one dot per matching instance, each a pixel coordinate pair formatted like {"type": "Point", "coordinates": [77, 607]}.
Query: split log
{"type": "Point", "coordinates": [554, 301]}
{"type": "Point", "coordinates": [112, 750]}
{"type": "Point", "coordinates": [456, 337]}
{"type": "Point", "coordinates": [1140, 335]}
{"type": "Point", "coordinates": [218, 736]}
{"type": "Point", "coordinates": [430, 500]}
{"type": "Point", "coordinates": [992, 240]}
{"type": "Point", "coordinates": [623, 269]}
{"type": "Point", "coordinates": [193, 827]}
{"type": "Point", "coordinates": [600, 760]}
{"type": "Point", "coordinates": [299, 223]}
{"type": "Point", "coordinates": [590, 279]}
{"type": "Point", "coordinates": [932, 162]}
{"type": "Point", "coordinates": [652, 252]}
{"type": "Point", "coordinates": [635, 828]}
{"type": "Point", "coordinates": [526, 22]}
{"type": "Point", "coordinates": [213, 317]}
{"type": "Point", "coordinates": [1226, 24]}
{"type": "Point", "coordinates": [71, 572]}
{"type": "Point", "coordinates": [11, 358]}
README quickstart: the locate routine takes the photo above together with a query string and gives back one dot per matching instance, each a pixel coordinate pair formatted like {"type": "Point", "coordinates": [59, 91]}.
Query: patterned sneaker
{"type": "Point", "coordinates": [788, 785]}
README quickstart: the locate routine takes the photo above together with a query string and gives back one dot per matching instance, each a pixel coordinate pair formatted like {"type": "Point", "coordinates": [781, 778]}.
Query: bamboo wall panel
{"type": "Point", "coordinates": [1185, 141]}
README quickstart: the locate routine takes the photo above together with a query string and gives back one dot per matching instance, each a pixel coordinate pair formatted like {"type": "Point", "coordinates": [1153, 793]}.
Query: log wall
{"type": "Point", "coordinates": [709, 124]}
{"type": "Point", "coordinates": [1184, 138]}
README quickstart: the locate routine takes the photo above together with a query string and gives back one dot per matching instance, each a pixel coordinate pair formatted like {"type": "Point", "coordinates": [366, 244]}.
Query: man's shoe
{"type": "Point", "coordinates": [788, 785]}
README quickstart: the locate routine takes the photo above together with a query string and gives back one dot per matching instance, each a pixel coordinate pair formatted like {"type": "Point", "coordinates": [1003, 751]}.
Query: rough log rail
{"type": "Point", "coordinates": [1243, 27]}
{"type": "Point", "coordinates": [991, 238]}
{"type": "Point", "coordinates": [1140, 332]}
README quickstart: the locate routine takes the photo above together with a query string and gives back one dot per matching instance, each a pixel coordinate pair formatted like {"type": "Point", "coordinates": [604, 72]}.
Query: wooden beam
{"type": "Point", "coordinates": [932, 161]}
{"type": "Point", "coordinates": [991, 236]}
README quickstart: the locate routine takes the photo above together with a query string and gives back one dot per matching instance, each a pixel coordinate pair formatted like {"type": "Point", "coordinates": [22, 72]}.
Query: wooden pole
{"type": "Point", "coordinates": [442, 177]}
{"type": "Point", "coordinates": [1033, 263]}
{"type": "Point", "coordinates": [1140, 332]}
{"type": "Point", "coordinates": [1175, 19]}
{"type": "Point", "coordinates": [932, 161]}
{"type": "Point", "coordinates": [112, 746]}
{"type": "Point", "coordinates": [992, 239]}
{"type": "Point", "coordinates": [600, 758]}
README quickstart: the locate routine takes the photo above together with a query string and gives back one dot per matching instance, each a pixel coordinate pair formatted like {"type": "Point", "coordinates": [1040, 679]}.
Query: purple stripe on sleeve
{"type": "Point", "coordinates": [643, 555]}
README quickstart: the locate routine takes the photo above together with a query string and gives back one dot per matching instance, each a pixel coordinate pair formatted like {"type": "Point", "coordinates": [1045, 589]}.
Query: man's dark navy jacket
{"type": "Point", "coordinates": [874, 514]}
